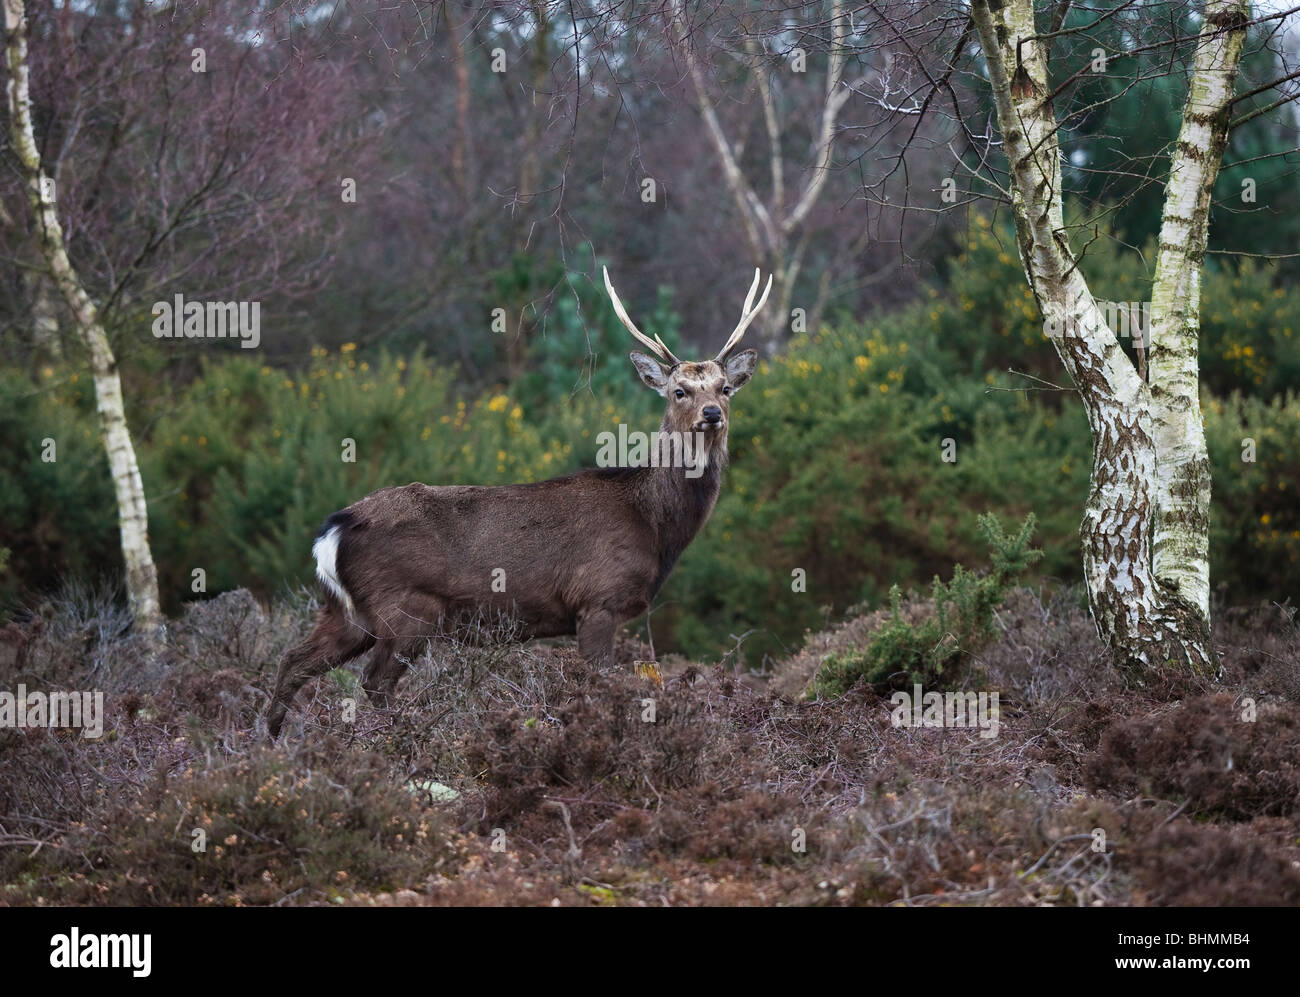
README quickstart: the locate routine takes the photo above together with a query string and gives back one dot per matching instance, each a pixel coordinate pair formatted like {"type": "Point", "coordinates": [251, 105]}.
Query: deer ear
{"type": "Point", "coordinates": [740, 368]}
{"type": "Point", "coordinates": [651, 371]}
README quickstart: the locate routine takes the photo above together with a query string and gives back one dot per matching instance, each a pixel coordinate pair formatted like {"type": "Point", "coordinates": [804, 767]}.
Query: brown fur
{"type": "Point", "coordinates": [583, 553]}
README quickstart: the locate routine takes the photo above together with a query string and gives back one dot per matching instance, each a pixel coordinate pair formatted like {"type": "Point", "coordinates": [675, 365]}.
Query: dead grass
{"type": "Point", "coordinates": [597, 788]}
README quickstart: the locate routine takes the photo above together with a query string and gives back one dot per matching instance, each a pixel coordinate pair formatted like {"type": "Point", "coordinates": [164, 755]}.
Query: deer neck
{"type": "Point", "coordinates": [676, 500]}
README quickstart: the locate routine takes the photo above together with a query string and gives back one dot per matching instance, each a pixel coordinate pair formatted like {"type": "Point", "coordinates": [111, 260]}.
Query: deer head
{"type": "Point", "coordinates": [698, 394]}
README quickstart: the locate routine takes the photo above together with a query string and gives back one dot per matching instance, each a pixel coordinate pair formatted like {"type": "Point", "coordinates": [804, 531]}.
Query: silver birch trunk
{"type": "Point", "coordinates": [141, 576]}
{"type": "Point", "coordinates": [1147, 622]}
{"type": "Point", "coordinates": [1181, 545]}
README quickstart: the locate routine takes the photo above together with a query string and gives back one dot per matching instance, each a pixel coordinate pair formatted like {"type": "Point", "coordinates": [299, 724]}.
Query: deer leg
{"type": "Point", "coordinates": [402, 630]}
{"type": "Point", "coordinates": [596, 638]}
{"type": "Point", "coordinates": [382, 674]}
{"type": "Point", "coordinates": [333, 641]}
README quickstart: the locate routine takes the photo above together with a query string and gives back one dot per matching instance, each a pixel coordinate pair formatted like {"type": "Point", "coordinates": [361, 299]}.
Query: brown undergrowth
{"type": "Point", "coordinates": [517, 775]}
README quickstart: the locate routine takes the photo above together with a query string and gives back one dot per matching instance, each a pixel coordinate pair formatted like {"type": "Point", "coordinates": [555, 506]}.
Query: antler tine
{"type": "Point", "coordinates": [753, 289]}
{"type": "Point", "coordinates": [747, 315]}
{"type": "Point", "coordinates": [656, 345]}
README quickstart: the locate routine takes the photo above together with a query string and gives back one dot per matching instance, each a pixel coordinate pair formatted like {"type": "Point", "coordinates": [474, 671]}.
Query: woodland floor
{"type": "Point", "coordinates": [515, 775]}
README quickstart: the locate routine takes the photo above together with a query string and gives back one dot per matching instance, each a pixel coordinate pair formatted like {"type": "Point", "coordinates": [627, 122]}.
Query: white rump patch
{"type": "Point", "coordinates": [326, 552]}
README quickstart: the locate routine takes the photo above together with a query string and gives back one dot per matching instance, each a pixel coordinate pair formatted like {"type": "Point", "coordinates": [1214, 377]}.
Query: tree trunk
{"type": "Point", "coordinates": [141, 577]}
{"type": "Point", "coordinates": [45, 317]}
{"type": "Point", "coordinates": [460, 142]}
{"type": "Point", "coordinates": [1182, 484]}
{"type": "Point", "coordinates": [1148, 622]}
{"type": "Point", "coordinates": [770, 231]}
{"type": "Point", "coordinates": [530, 174]}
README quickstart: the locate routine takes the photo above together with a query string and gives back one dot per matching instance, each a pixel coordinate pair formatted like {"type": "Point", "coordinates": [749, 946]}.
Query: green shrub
{"type": "Point", "coordinates": [1250, 333]}
{"type": "Point", "coordinates": [58, 517]}
{"type": "Point", "coordinates": [838, 472]}
{"type": "Point", "coordinates": [982, 316]}
{"type": "Point", "coordinates": [248, 489]}
{"type": "Point", "coordinates": [837, 476]}
{"type": "Point", "coordinates": [902, 654]}
{"type": "Point", "coordinates": [581, 347]}
{"type": "Point", "coordinates": [1254, 508]}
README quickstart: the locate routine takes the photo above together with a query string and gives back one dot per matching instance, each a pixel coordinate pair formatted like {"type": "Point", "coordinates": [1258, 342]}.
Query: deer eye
{"type": "Point", "coordinates": [680, 393]}
{"type": "Point", "coordinates": [726, 389]}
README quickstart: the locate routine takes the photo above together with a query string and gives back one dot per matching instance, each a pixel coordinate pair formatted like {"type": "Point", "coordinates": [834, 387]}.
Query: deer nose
{"type": "Point", "coordinates": [712, 413]}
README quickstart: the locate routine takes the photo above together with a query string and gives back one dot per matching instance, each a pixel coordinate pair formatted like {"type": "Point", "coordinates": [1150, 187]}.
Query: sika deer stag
{"type": "Point", "coordinates": [583, 553]}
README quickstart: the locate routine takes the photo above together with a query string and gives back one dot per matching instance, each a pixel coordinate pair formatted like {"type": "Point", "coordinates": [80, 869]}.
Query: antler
{"type": "Point", "coordinates": [746, 315]}
{"type": "Point", "coordinates": [655, 345]}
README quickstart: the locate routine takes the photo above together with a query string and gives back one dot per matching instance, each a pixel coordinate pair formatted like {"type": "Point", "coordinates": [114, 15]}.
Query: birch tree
{"type": "Point", "coordinates": [1180, 544]}
{"type": "Point", "coordinates": [141, 576]}
{"type": "Point", "coordinates": [776, 228]}
{"type": "Point", "coordinates": [1145, 530]}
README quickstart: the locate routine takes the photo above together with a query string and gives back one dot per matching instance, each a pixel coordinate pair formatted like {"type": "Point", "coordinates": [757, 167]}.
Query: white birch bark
{"type": "Point", "coordinates": [1182, 485]}
{"type": "Point", "coordinates": [1146, 623]}
{"type": "Point", "coordinates": [141, 576]}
